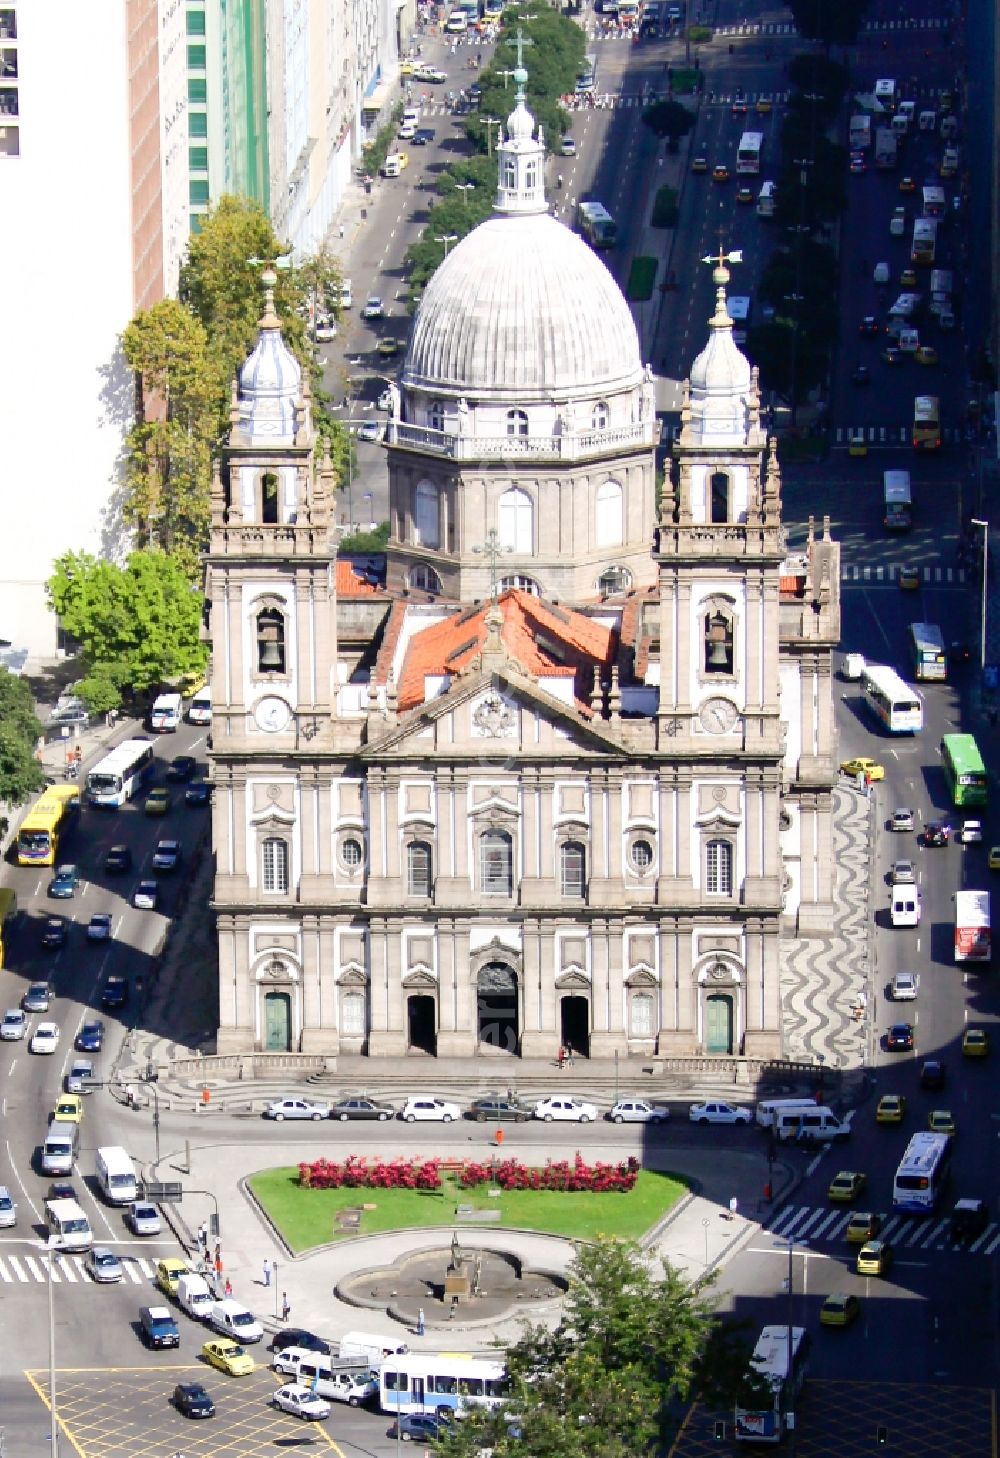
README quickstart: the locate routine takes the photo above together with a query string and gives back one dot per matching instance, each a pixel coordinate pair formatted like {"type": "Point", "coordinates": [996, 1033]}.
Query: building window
{"type": "Point", "coordinates": [426, 522]}
{"type": "Point", "coordinates": [718, 643]}
{"type": "Point", "coordinates": [436, 416]}
{"type": "Point", "coordinates": [197, 191]}
{"type": "Point", "coordinates": [517, 582]}
{"type": "Point", "coordinates": [573, 869]}
{"type": "Point", "coordinates": [719, 868]}
{"type": "Point", "coordinates": [614, 579]}
{"type": "Point", "coordinates": [641, 856]}
{"type": "Point", "coordinates": [517, 422]}
{"type": "Point", "coordinates": [640, 1019]}
{"type": "Point", "coordinates": [720, 487]}
{"type": "Point", "coordinates": [424, 579]}
{"type": "Point", "coordinates": [198, 159]}
{"type": "Point", "coordinates": [496, 863]}
{"type": "Point", "coordinates": [197, 90]}
{"type": "Point", "coordinates": [418, 869]}
{"type": "Point", "coordinates": [531, 176]}
{"type": "Point", "coordinates": [270, 641]}
{"type": "Point", "coordinates": [353, 1015]}
{"type": "Point", "coordinates": [268, 499]}
{"type": "Point", "coordinates": [197, 124]}
{"type": "Point", "coordinates": [517, 521]}
{"type": "Point", "coordinates": [275, 865]}
{"type": "Point", "coordinates": [196, 22]}
{"type": "Point", "coordinates": [196, 58]}
{"type": "Point", "coordinates": [601, 416]}
{"type": "Point", "coordinates": [509, 174]}
{"type": "Point", "coordinates": [609, 514]}
{"type": "Point", "coordinates": [352, 853]}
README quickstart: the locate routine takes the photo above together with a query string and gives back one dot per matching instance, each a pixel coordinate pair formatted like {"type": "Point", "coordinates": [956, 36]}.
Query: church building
{"type": "Point", "coordinates": [568, 778]}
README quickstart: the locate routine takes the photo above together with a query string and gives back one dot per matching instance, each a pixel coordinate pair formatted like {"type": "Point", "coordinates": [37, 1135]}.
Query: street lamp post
{"type": "Point", "coordinates": [446, 238]}
{"type": "Point", "coordinates": [465, 188]}
{"type": "Point", "coordinates": [790, 1412]}
{"type": "Point", "coordinates": [976, 522]}
{"type": "Point", "coordinates": [53, 1416]}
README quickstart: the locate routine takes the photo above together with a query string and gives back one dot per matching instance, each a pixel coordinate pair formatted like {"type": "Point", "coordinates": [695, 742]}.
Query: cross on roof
{"type": "Point", "coordinates": [720, 259]}
{"type": "Point", "coordinates": [520, 41]}
{"type": "Point", "coordinates": [493, 549]}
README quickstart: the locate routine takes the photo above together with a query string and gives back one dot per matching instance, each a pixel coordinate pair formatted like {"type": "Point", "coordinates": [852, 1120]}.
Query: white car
{"type": "Point", "coordinates": [296, 1109]}
{"type": "Point", "coordinates": [143, 1218]}
{"type": "Point", "coordinates": [718, 1113]}
{"type": "Point", "coordinates": [903, 987]}
{"type": "Point", "coordinates": [425, 1107]}
{"type": "Point", "coordinates": [904, 873]}
{"type": "Point", "coordinates": [80, 1069]}
{"type": "Point", "coordinates": [301, 1400]}
{"type": "Point", "coordinates": [14, 1025]}
{"type": "Point", "coordinates": [370, 430]}
{"type": "Point", "coordinates": [638, 1111]}
{"type": "Point", "coordinates": [972, 832]}
{"type": "Point", "coordinates": [45, 1038]}
{"type": "Point", "coordinates": [8, 1210]}
{"type": "Point", "coordinates": [374, 308]}
{"type": "Point", "coordinates": [103, 1266]}
{"type": "Point", "coordinates": [324, 329]}
{"type": "Point", "coordinates": [562, 1106]}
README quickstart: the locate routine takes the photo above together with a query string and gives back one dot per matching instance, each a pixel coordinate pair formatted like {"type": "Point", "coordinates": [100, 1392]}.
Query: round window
{"type": "Point", "coordinates": [642, 855]}
{"type": "Point", "coordinates": [352, 853]}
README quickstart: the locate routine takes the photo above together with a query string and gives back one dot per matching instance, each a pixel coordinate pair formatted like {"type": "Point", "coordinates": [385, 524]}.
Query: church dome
{"type": "Point", "coordinates": [720, 369]}
{"type": "Point", "coordinates": [270, 379]}
{"type": "Point", "coordinates": [522, 306]}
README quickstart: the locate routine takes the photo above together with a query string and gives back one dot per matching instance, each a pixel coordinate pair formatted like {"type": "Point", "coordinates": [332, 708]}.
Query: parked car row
{"type": "Point", "coordinates": [500, 1108]}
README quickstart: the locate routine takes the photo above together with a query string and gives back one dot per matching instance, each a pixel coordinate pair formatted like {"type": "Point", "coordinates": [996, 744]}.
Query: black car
{"type": "Point", "coordinates": [497, 1106]}
{"type": "Point", "coordinates": [191, 1400]}
{"type": "Point", "coordinates": [899, 1038]}
{"type": "Point", "coordinates": [932, 1075]}
{"type": "Point", "coordinates": [419, 1425]}
{"type": "Point", "coordinates": [868, 328]}
{"type": "Point", "coordinates": [54, 935]}
{"type": "Point", "coordinates": [423, 136]}
{"type": "Point", "coordinates": [297, 1336]}
{"type": "Point", "coordinates": [969, 1219]}
{"type": "Point", "coordinates": [115, 994]}
{"type": "Point", "coordinates": [936, 832]}
{"type": "Point", "coordinates": [118, 858]}
{"type": "Point", "coordinates": [861, 375]}
{"type": "Point", "coordinates": [361, 1108]}
{"type": "Point", "coordinates": [61, 1190]}
{"type": "Point", "coordinates": [181, 767]}
{"type": "Point", "coordinates": [200, 793]}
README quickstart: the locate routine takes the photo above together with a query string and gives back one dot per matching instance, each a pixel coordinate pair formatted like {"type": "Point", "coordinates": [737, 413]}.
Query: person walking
{"type": "Point", "coordinates": [228, 1288]}
{"type": "Point", "coordinates": [218, 1264]}
{"type": "Point", "coordinates": [421, 1328]}
{"type": "Point", "coordinates": [203, 1237]}
{"type": "Point", "coordinates": [267, 1272]}
{"type": "Point", "coordinates": [286, 1306]}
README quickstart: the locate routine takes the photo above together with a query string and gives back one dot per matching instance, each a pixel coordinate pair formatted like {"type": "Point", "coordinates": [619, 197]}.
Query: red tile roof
{"type": "Point", "coordinates": [350, 582]}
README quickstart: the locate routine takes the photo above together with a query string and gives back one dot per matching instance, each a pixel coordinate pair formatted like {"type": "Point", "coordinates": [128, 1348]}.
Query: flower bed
{"type": "Point", "coordinates": [509, 1174]}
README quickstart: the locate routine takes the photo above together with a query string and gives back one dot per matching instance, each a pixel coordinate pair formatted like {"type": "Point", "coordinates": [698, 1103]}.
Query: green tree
{"type": "Point", "coordinates": [138, 625]}
{"type": "Point", "coordinates": [811, 74]}
{"type": "Point", "coordinates": [791, 361]}
{"type": "Point", "coordinates": [21, 776]}
{"type": "Point", "coordinates": [318, 279]}
{"type": "Point", "coordinates": [669, 119]}
{"type": "Point", "coordinates": [834, 25]}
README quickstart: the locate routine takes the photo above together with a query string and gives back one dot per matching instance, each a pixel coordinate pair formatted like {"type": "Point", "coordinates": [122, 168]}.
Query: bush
{"type": "Point", "coordinates": [698, 35]}
{"type": "Point", "coordinates": [665, 210]}
{"type": "Point", "coordinates": [407, 1174]}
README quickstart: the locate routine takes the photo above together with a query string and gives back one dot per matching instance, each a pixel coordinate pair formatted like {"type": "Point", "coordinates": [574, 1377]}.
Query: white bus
{"type": "Point", "coordinates": [434, 1382]}
{"type": "Point", "coordinates": [930, 659]}
{"type": "Point", "coordinates": [933, 196]}
{"type": "Point", "coordinates": [738, 309]}
{"type": "Point", "coordinates": [748, 152]}
{"type": "Point", "coordinates": [973, 938]}
{"type": "Point", "coordinates": [117, 777]}
{"type": "Point", "coordinates": [897, 501]}
{"type": "Point", "coordinates": [924, 245]}
{"type": "Point", "coordinates": [761, 1420]}
{"type": "Point", "coordinates": [922, 1173]}
{"type": "Point", "coordinates": [894, 703]}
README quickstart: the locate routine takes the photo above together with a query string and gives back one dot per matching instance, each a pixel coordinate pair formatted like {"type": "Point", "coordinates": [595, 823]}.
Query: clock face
{"type": "Point", "coordinates": [272, 714]}
{"type": "Point", "coordinates": [718, 716]}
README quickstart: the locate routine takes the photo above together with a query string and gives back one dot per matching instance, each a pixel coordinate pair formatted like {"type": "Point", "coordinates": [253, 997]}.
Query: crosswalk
{"type": "Point", "coordinates": [67, 1268]}
{"type": "Point", "coordinates": [889, 435]}
{"type": "Point", "coordinates": [889, 572]}
{"type": "Point", "coordinates": [904, 1232]}
{"type": "Point", "coordinates": [785, 27]}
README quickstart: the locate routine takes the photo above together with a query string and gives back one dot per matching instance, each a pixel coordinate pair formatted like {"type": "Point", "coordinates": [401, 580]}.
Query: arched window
{"type": "Point", "coordinates": [601, 416]}
{"type": "Point", "coordinates": [517, 422]}
{"type": "Point", "coordinates": [614, 579]}
{"type": "Point", "coordinates": [418, 869]}
{"type": "Point", "coordinates": [516, 581]}
{"type": "Point", "coordinates": [720, 487]}
{"type": "Point", "coordinates": [718, 643]}
{"type": "Point", "coordinates": [274, 858]}
{"type": "Point", "coordinates": [573, 869]}
{"type": "Point", "coordinates": [269, 499]}
{"type": "Point", "coordinates": [719, 868]}
{"type": "Point", "coordinates": [517, 521]}
{"type": "Point", "coordinates": [352, 853]}
{"type": "Point", "coordinates": [496, 863]}
{"type": "Point", "coordinates": [424, 579]}
{"type": "Point", "coordinates": [435, 417]}
{"type": "Point", "coordinates": [270, 641]}
{"type": "Point", "coordinates": [641, 856]}
{"type": "Point", "coordinates": [609, 514]}
{"type": "Point", "coordinates": [509, 173]}
{"type": "Point", "coordinates": [426, 515]}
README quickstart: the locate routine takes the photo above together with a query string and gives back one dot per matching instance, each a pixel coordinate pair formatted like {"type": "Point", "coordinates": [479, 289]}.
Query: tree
{"type": "Point", "coordinates": [670, 119]}
{"type": "Point", "coordinates": [21, 775]}
{"type": "Point", "coordinates": [812, 74]}
{"type": "Point", "coordinates": [138, 625]}
{"type": "Point", "coordinates": [834, 25]}
{"type": "Point", "coordinates": [789, 365]}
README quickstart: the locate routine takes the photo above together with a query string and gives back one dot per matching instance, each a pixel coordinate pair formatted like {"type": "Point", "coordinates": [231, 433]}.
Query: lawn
{"type": "Point", "coordinates": [307, 1218]}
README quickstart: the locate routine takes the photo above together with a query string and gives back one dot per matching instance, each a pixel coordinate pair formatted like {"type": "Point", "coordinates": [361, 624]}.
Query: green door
{"type": "Point", "coordinates": [719, 1023]}
{"type": "Point", "coordinates": [277, 1022]}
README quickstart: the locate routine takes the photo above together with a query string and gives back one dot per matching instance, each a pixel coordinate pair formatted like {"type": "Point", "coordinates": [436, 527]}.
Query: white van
{"type": "Point", "coordinates": [194, 1297]}
{"type": "Point", "coordinates": [165, 715]}
{"type": "Point", "coordinates": [68, 1226]}
{"type": "Point", "coordinates": [769, 1110]}
{"type": "Point", "coordinates": [200, 709]}
{"type": "Point", "coordinates": [854, 667]}
{"type": "Point", "coordinates": [765, 201]}
{"type": "Point", "coordinates": [232, 1319]}
{"type": "Point", "coordinates": [811, 1126]}
{"type": "Point", "coordinates": [904, 909]}
{"type": "Point", "coordinates": [371, 1347]}
{"type": "Point", "coordinates": [59, 1148]}
{"type": "Point", "coordinates": [116, 1175]}
{"type": "Point", "coordinates": [346, 294]}
{"type": "Point", "coordinates": [393, 165]}
{"type": "Point", "coordinates": [327, 1376]}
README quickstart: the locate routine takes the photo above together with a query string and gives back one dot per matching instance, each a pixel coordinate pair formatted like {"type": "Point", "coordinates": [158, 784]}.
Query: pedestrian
{"type": "Point", "coordinates": [569, 1054]}
{"type": "Point", "coordinates": [218, 1265]}
{"type": "Point", "coordinates": [733, 1208]}
{"type": "Point", "coordinates": [267, 1272]}
{"type": "Point", "coordinates": [203, 1237]}
{"type": "Point", "coordinates": [228, 1288]}
{"type": "Point", "coordinates": [78, 756]}
{"type": "Point", "coordinates": [560, 1057]}
{"type": "Point", "coordinates": [218, 1254]}
{"type": "Point", "coordinates": [420, 1321]}
{"type": "Point", "coordinates": [286, 1306]}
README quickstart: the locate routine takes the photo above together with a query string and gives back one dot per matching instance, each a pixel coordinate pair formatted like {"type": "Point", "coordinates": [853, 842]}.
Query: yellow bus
{"type": "Point", "coordinates": [926, 423]}
{"type": "Point", "coordinates": [8, 909]}
{"type": "Point", "coordinates": [53, 814]}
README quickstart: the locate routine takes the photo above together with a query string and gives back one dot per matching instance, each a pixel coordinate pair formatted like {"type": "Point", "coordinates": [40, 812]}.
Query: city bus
{"type": "Point", "coordinates": [973, 939]}
{"type": "Point", "coordinates": [930, 661]}
{"type": "Point", "coordinates": [53, 816]}
{"type": "Point", "coordinates": [933, 200]}
{"type": "Point", "coordinates": [924, 245]}
{"type": "Point", "coordinates": [738, 308]}
{"type": "Point", "coordinates": [773, 1383]}
{"type": "Point", "coordinates": [897, 501]}
{"type": "Point", "coordinates": [597, 225]}
{"type": "Point", "coordinates": [922, 1173]}
{"type": "Point", "coordinates": [8, 910]}
{"type": "Point", "coordinates": [894, 703]}
{"type": "Point", "coordinates": [434, 1381]}
{"type": "Point", "coordinates": [586, 77]}
{"type": "Point", "coordinates": [964, 770]}
{"type": "Point", "coordinates": [121, 774]}
{"type": "Point", "coordinates": [748, 152]}
{"type": "Point", "coordinates": [926, 423]}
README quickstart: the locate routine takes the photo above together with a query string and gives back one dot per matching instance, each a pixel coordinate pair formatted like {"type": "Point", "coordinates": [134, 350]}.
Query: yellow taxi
{"type": "Point", "coordinates": [857, 443]}
{"type": "Point", "coordinates": [765, 103]}
{"type": "Point", "coordinates": [975, 1043]}
{"type": "Point", "coordinates": [720, 172]}
{"type": "Point", "coordinates": [908, 278]}
{"type": "Point", "coordinates": [846, 1186]}
{"type": "Point", "coordinates": [874, 1258]}
{"type": "Point", "coordinates": [744, 194]}
{"type": "Point", "coordinates": [926, 355]}
{"type": "Point", "coordinates": [388, 347]}
{"type": "Point", "coordinates": [907, 184]}
{"type": "Point", "coordinates": [941, 1121]}
{"type": "Point", "coordinates": [158, 801]}
{"type": "Point", "coordinates": [993, 859]}
{"type": "Point", "coordinates": [862, 765]}
{"type": "Point", "coordinates": [909, 579]}
{"type": "Point", "coordinates": [890, 1109]}
{"type": "Point", "coordinates": [406, 67]}
{"type": "Point", "coordinates": [862, 1226]}
{"type": "Point", "coordinates": [169, 1272]}
{"type": "Point", "coordinates": [839, 1310]}
{"type": "Point", "coordinates": [68, 1109]}
{"type": "Point", "coordinates": [228, 1356]}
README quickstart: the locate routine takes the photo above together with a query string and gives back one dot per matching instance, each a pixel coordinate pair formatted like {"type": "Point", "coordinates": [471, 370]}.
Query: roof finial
{"type": "Point", "coordinates": [492, 549]}
{"type": "Point", "coordinates": [720, 277]}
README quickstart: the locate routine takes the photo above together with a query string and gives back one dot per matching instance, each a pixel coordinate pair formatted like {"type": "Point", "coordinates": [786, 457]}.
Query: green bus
{"type": "Point", "coordinates": [964, 769]}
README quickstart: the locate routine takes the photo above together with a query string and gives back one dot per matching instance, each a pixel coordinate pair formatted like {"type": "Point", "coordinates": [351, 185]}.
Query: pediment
{"type": "Point", "coordinates": [641, 975]}
{"type": "Point", "coordinates": [573, 979]}
{"type": "Point", "coordinates": [352, 974]}
{"type": "Point", "coordinates": [420, 977]}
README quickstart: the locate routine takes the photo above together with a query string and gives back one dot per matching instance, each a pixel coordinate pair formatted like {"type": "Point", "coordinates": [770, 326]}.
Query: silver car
{"type": "Point", "coordinates": [14, 1025]}
{"type": "Point", "coordinates": [904, 873]}
{"type": "Point", "coordinates": [296, 1109]}
{"type": "Point", "coordinates": [903, 987]}
{"type": "Point", "coordinates": [143, 1218]}
{"type": "Point", "coordinates": [902, 820]}
{"type": "Point", "coordinates": [81, 1069]}
{"type": "Point", "coordinates": [8, 1210]}
{"type": "Point", "coordinates": [103, 1266]}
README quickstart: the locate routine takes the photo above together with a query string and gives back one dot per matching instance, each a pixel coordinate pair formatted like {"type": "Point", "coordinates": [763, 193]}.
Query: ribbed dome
{"type": "Point", "coordinates": [270, 385]}
{"type": "Point", "coordinates": [522, 305]}
{"type": "Point", "coordinates": [720, 369]}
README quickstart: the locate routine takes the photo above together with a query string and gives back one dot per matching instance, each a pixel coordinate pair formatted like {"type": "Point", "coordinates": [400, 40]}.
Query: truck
{"type": "Point", "coordinates": [886, 149]}
{"type": "Point", "coordinates": [898, 501]}
{"type": "Point", "coordinates": [165, 715]}
{"type": "Point", "coordinates": [860, 133]}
